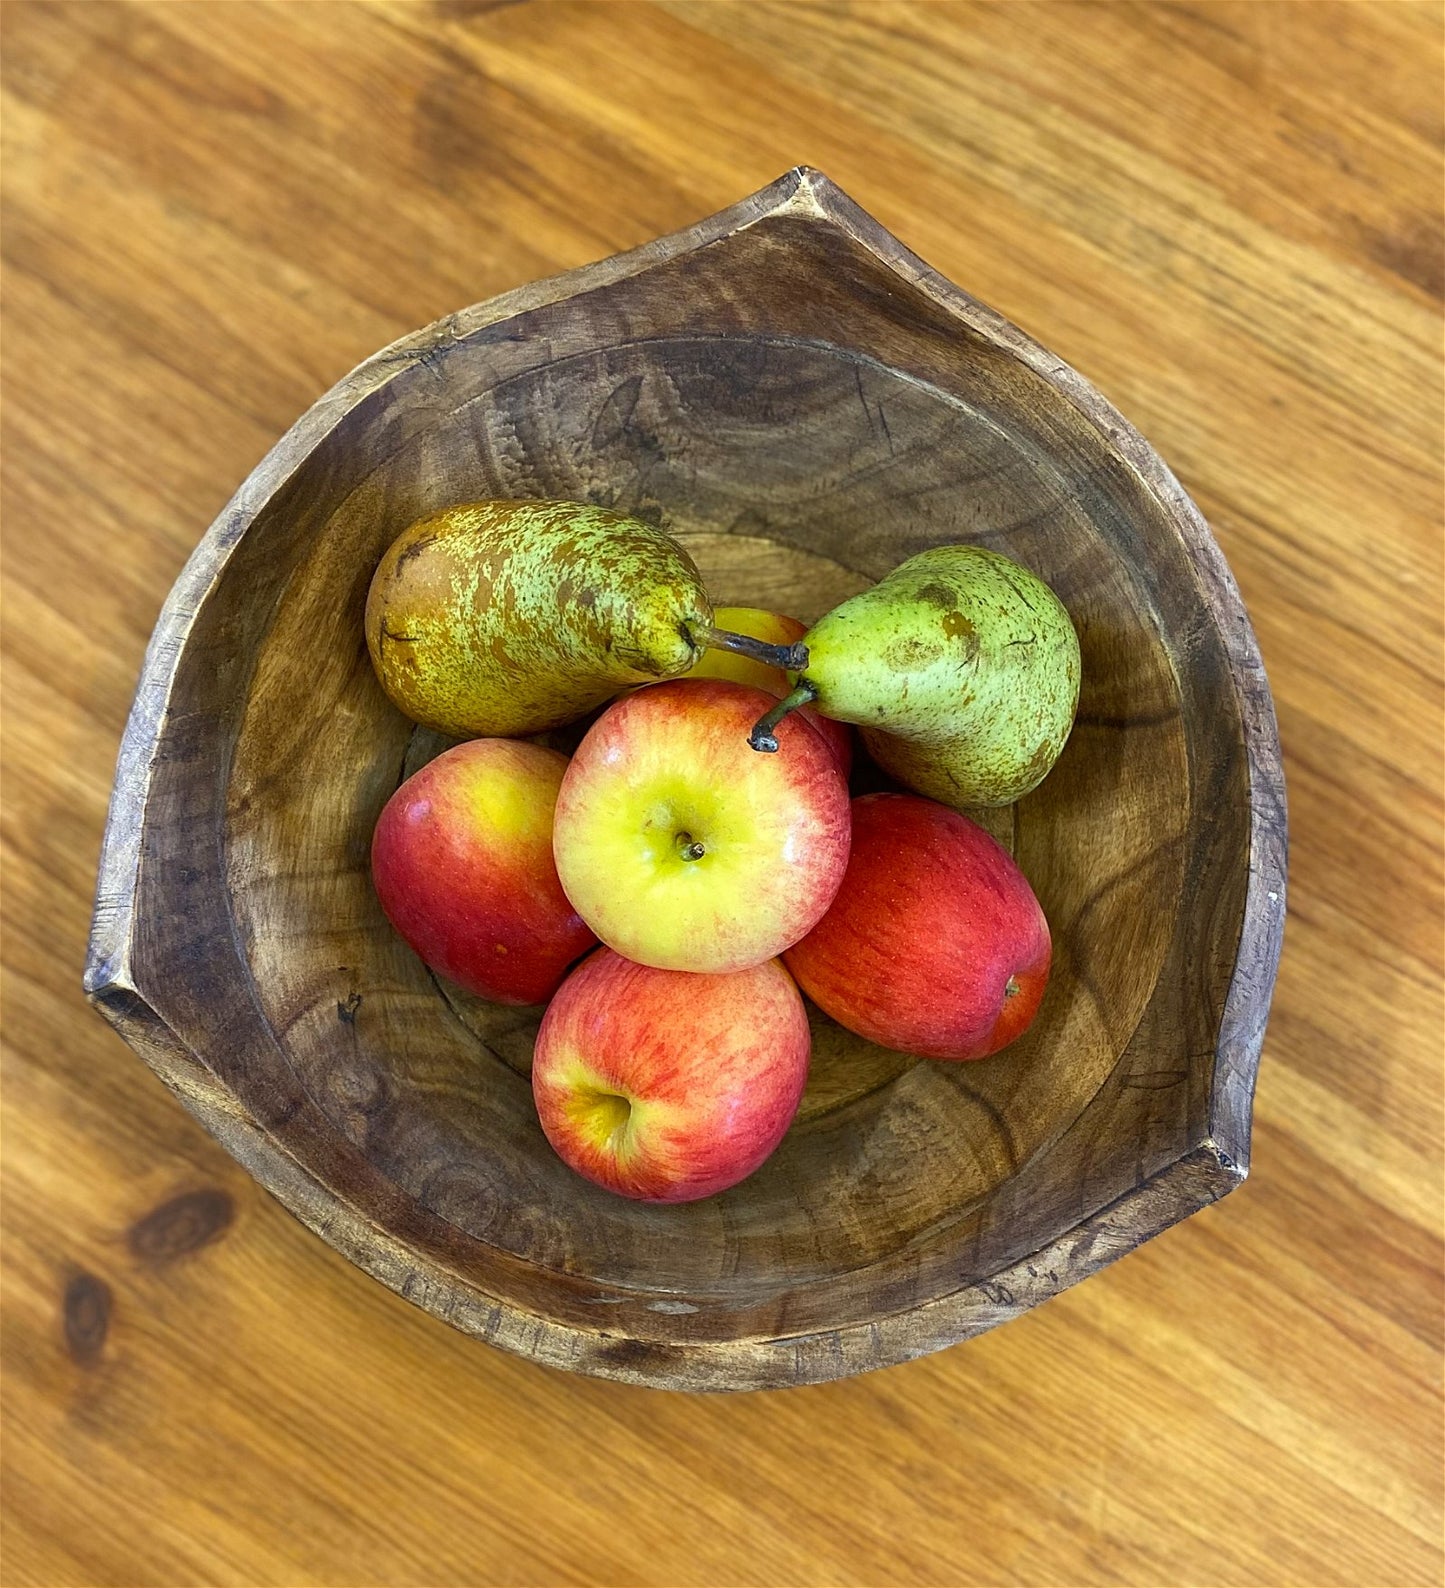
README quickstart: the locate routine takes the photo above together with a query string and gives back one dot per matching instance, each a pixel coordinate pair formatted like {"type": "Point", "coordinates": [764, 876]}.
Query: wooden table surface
{"type": "Point", "coordinates": [1229, 217]}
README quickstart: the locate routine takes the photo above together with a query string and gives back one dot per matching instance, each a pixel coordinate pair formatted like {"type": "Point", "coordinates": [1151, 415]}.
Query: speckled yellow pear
{"type": "Point", "coordinates": [502, 618]}
{"type": "Point", "coordinates": [961, 668]}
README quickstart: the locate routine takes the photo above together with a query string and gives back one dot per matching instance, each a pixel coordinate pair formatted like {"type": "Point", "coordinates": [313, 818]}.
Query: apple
{"type": "Point", "coordinates": [462, 863]}
{"type": "Point", "coordinates": [935, 943]}
{"type": "Point", "coordinates": [757, 624]}
{"type": "Point", "coordinates": [777, 629]}
{"type": "Point", "coordinates": [665, 1085]}
{"type": "Point", "coordinates": [682, 847]}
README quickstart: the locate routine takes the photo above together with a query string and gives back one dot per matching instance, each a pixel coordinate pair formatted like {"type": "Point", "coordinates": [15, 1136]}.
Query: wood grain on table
{"type": "Point", "coordinates": [1229, 217]}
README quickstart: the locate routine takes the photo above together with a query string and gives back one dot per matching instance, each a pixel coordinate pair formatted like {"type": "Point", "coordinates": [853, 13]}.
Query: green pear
{"type": "Point", "coordinates": [502, 618]}
{"type": "Point", "coordinates": [960, 667]}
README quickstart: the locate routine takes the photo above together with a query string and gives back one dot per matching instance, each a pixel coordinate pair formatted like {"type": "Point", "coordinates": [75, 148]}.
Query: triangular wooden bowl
{"type": "Point", "coordinates": [805, 403]}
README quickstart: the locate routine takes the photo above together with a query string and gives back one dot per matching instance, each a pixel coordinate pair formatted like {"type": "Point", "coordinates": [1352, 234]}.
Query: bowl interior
{"type": "Point", "coordinates": [705, 432]}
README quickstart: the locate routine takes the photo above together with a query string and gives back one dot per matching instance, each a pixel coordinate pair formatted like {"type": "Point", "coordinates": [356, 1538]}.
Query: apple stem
{"type": "Point", "coordinates": [762, 737]}
{"type": "Point", "coordinates": [791, 658]}
{"type": "Point", "coordinates": [689, 848]}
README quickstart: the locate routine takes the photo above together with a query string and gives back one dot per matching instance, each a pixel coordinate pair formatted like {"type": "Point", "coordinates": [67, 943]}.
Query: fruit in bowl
{"type": "Point", "coordinates": [512, 617]}
{"type": "Point", "coordinates": [681, 847]}
{"type": "Point", "coordinates": [666, 1085]}
{"type": "Point", "coordinates": [960, 667]}
{"type": "Point", "coordinates": [462, 863]}
{"type": "Point", "coordinates": [934, 943]}
{"type": "Point", "coordinates": [703, 826]}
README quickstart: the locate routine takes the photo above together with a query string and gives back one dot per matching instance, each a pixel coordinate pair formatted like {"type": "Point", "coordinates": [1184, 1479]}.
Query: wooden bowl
{"type": "Point", "coordinates": [805, 403]}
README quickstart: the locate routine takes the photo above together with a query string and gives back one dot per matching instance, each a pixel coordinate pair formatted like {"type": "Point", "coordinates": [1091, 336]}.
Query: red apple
{"type": "Point", "coordinates": [681, 846]}
{"type": "Point", "coordinates": [935, 943]}
{"type": "Point", "coordinates": [462, 863]}
{"type": "Point", "coordinates": [669, 1086]}
{"type": "Point", "coordinates": [777, 629]}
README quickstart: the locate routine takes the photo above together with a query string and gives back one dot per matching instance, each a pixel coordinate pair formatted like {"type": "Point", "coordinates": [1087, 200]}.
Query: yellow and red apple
{"type": "Point", "coordinates": [669, 1086]}
{"type": "Point", "coordinates": [777, 629]}
{"type": "Point", "coordinates": [681, 847]}
{"type": "Point", "coordinates": [462, 863]}
{"type": "Point", "coordinates": [935, 943]}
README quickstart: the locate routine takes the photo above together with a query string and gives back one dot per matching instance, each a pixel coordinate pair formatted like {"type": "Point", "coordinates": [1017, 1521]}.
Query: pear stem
{"type": "Point", "coordinates": [762, 737]}
{"type": "Point", "coordinates": [791, 658]}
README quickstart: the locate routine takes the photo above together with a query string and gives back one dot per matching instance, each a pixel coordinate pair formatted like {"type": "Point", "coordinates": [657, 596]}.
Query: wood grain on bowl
{"type": "Point", "coordinates": [804, 403]}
